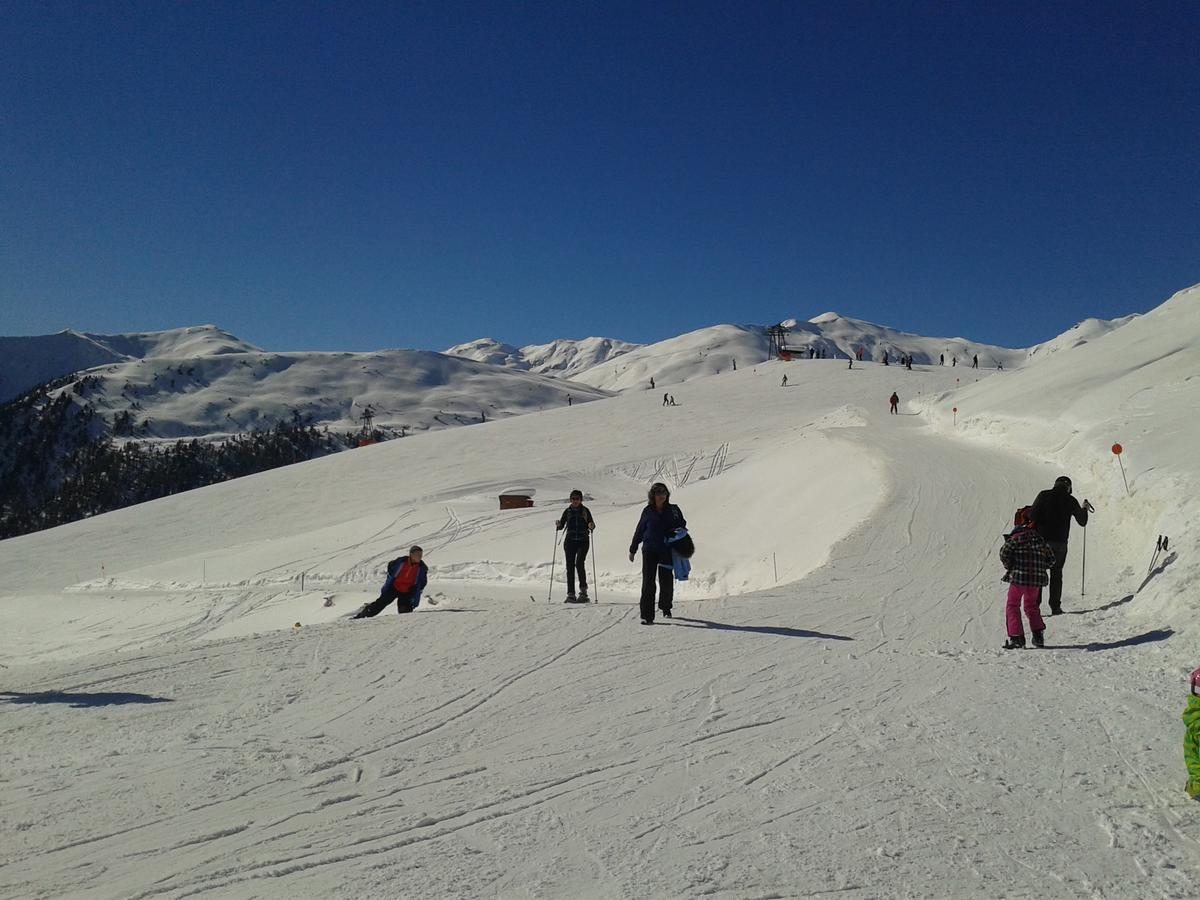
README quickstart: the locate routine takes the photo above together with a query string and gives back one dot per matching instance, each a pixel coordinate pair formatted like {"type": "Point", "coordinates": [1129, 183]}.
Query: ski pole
{"type": "Point", "coordinates": [1083, 571]}
{"type": "Point", "coordinates": [553, 558]}
{"type": "Point", "coordinates": [595, 583]}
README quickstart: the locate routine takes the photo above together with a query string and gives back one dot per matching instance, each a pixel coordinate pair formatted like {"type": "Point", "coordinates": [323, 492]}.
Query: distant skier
{"type": "Point", "coordinates": [908, 363]}
{"type": "Point", "coordinates": [651, 382]}
{"type": "Point", "coordinates": [570, 402]}
{"type": "Point", "coordinates": [735, 365]}
{"type": "Point", "coordinates": [999, 366]}
{"type": "Point", "coordinates": [1026, 557]}
{"type": "Point", "coordinates": [895, 401]}
{"type": "Point", "coordinates": [885, 358]}
{"type": "Point", "coordinates": [407, 577]}
{"type": "Point", "coordinates": [577, 520]}
{"type": "Point", "coordinates": [975, 361]}
{"type": "Point", "coordinates": [660, 518]}
{"type": "Point", "coordinates": [1053, 510]}
{"type": "Point", "coordinates": [851, 361]}
{"type": "Point", "coordinates": [672, 399]}
{"type": "Point", "coordinates": [941, 359]}
{"type": "Point", "coordinates": [953, 361]}
{"type": "Point", "coordinates": [1191, 739]}
{"type": "Point", "coordinates": [784, 382]}
{"type": "Point", "coordinates": [666, 400]}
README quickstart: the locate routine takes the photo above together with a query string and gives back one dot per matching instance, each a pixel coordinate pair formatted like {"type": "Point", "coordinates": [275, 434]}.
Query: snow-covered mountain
{"type": "Point", "coordinates": [177, 396]}
{"type": "Point", "coordinates": [188, 711]}
{"type": "Point", "coordinates": [26, 362]}
{"type": "Point", "coordinates": [709, 351]}
{"type": "Point", "coordinates": [562, 358]}
{"type": "Point", "coordinates": [1077, 336]}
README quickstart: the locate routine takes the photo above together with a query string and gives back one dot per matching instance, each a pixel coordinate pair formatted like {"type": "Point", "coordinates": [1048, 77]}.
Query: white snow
{"type": "Point", "coordinates": [848, 726]}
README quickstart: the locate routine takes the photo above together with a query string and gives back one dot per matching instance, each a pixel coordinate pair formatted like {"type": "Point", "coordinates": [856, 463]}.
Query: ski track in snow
{"type": "Point", "coordinates": [857, 733]}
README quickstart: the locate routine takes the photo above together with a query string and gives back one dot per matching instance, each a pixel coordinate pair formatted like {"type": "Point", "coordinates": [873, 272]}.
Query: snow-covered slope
{"type": "Point", "coordinates": [194, 396]}
{"type": "Point", "coordinates": [26, 362]}
{"type": "Point", "coordinates": [828, 711]}
{"type": "Point", "coordinates": [1077, 335]}
{"type": "Point", "coordinates": [1137, 385]}
{"type": "Point", "coordinates": [846, 335]}
{"type": "Point", "coordinates": [562, 358]}
{"type": "Point", "coordinates": [709, 351]}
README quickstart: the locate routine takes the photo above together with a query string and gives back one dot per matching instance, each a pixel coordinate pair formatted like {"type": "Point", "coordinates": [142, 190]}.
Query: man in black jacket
{"type": "Point", "coordinates": [1052, 513]}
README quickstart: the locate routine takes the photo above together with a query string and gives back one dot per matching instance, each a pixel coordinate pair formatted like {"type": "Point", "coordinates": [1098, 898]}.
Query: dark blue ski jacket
{"type": "Point", "coordinates": [654, 527]}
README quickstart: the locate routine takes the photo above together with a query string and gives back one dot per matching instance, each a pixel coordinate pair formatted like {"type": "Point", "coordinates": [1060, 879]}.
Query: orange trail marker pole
{"type": "Point", "coordinates": [1117, 450]}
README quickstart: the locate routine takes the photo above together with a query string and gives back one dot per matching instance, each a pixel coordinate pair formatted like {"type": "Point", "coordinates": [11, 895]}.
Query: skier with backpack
{"type": "Point", "coordinates": [579, 524]}
{"type": "Point", "coordinates": [407, 577]}
{"type": "Point", "coordinates": [660, 522]}
{"type": "Point", "coordinates": [1026, 557]}
{"type": "Point", "coordinates": [1053, 510]}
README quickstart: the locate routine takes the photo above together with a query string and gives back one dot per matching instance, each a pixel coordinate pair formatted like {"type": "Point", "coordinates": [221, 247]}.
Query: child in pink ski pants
{"type": "Point", "coordinates": [1027, 595]}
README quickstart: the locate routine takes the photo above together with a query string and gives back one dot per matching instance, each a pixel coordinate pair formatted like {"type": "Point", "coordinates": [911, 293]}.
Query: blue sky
{"type": "Point", "coordinates": [352, 176]}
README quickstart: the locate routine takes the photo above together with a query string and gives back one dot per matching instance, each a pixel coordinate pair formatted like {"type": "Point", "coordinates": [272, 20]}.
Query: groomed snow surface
{"type": "Point", "coordinates": [829, 711]}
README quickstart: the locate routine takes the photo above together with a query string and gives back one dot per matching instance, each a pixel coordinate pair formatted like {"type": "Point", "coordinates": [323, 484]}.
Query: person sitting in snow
{"type": "Point", "coordinates": [577, 520]}
{"type": "Point", "coordinates": [1191, 739]}
{"type": "Point", "coordinates": [1026, 557]}
{"type": "Point", "coordinates": [407, 577]}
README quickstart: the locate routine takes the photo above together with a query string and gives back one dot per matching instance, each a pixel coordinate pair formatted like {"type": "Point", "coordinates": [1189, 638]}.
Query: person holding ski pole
{"type": "Point", "coordinates": [1053, 510]}
{"type": "Point", "coordinates": [577, 520]}
{"type": "Point", "coordinates": [1026, 557]}
{"type": "Point", "coordinates": [660, 518]}
{"type": "Point", "coordinates": [1191, 739]}
{"type": "Point", "coordinates": [407, 577]}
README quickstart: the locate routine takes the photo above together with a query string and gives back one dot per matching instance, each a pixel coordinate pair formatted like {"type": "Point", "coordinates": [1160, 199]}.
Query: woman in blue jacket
{"type": "Point", "coordinates": [659, 520]}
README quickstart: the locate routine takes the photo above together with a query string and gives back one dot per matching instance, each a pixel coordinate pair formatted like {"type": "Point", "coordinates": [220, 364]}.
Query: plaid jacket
{"type": "Point", "coordinates": [1027, 556]}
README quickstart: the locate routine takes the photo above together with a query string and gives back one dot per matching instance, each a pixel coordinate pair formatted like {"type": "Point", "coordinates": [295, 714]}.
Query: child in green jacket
{"type": "Point", "coordinates": [1191, 738]}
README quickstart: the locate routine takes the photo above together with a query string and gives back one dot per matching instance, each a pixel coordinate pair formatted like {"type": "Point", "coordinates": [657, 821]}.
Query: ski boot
{"type": "Point", "coordinates": [1039, 639]}
{"type": "Point", "coordinates": [583, 596]}
{"type": "Point", "coordinates": [1015, 642]}
{"type": "Point", "coordinates": [570, 599]}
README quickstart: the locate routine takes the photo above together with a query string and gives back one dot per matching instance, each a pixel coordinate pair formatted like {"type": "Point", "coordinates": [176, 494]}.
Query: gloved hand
{"type": "Point", "coordinates": [558, 526]}
{"type": "Point", "coordinates": [632, 555]}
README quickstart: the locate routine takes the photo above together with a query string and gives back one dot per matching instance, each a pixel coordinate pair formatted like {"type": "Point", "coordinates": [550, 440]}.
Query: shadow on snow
{"type": "Point", "coordinates": [82, 701]}
{"type": "Point", "coordinates": [1158, 634]}
{"type": "Point", "coordinates": [757, 629]}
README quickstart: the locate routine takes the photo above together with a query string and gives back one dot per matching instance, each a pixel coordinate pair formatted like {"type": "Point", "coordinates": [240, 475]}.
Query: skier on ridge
{"type": "Point", "coordinates": [577, 520]}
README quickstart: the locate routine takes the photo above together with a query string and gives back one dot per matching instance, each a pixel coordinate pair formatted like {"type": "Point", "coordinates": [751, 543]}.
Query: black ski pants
{"type": "Point", "coordinates": [665, 575]}
{"type": "Point", "coordinates": [576, 550]}
{"type": "Point", "coordinates": [1060, 557]}
{"type": "Point", "coordinates": [386, 596]}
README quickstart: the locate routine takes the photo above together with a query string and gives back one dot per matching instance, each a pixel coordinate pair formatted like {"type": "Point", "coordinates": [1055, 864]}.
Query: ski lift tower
{"type": "Point", "coordinates": [778, 336]}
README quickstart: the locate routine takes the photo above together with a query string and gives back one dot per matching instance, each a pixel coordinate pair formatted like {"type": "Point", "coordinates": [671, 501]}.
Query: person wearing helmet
{"type": "Point", "coordinates": [1026, 557]}
{"type": "Point", "coordinates": [577, 520]}
{"type": "Point", "coordinates": [659, 521]}
{"type": "Point", "coordinates": [1191, 739]}
{"type": "Point", "coordinates": [1053, 510]}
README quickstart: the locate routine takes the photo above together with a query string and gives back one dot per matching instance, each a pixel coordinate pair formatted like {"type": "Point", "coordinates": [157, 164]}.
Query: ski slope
{"type": "Point", "coordinates": [828, 712]}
